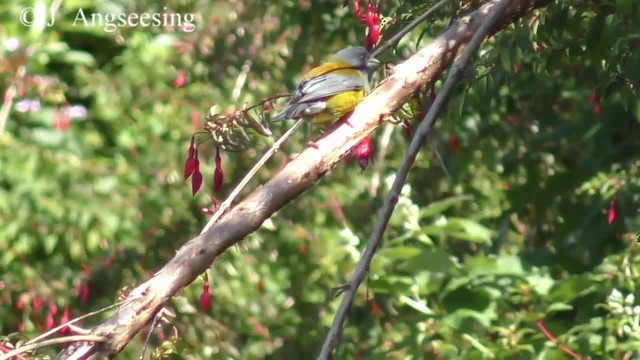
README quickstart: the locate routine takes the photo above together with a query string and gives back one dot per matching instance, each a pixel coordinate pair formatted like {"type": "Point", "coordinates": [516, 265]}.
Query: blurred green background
{"type": "Point", "coordinates": [537, 221]}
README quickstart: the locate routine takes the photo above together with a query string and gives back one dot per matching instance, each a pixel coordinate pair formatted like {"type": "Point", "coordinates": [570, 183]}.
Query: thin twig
{"type": "Point", "coordinates": [390, 201]}
{"type": "Point", "coordinates": [405, 30]}
{"type": "Point", "coordinates": [56, 341]}
{"type": "Point", "coordinates": [148, 338]}
{"type": "Point", "coordinates": [227, 203]}
{"type": "Point", "coordinates": [557, 342]}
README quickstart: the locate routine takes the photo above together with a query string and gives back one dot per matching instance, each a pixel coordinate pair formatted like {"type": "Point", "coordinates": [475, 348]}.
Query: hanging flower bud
{"type": "Point", "coordinates": [372, 21]}
{"type": "Point", "coordinates": [406, 129]}
{"type": "Point", "coordinates": [192, 163]}
{"type": "Point", "coordinates": [205, 297]}
{"type": "Point", "coordinates": [364, 151]}
{"type": "Point", "coordinates": [594, 98]}
{"type": "Point", "coordinates": [597, 109]}
{"type": "Point", "coordinates": [611, 213]}
{"type": "Point", "coordinates": [453, 144]}
{"type": "Point", "coordinates": [432, 95]}
{"type": "Point", "coordinates": [180, 79]}
{"type": "Point", "coordinates": [49, 322]}
{"type": "Point", "coordinates": [196, 182]}
{"type": "Point", "coordinates": [63, 320]}
{"type": "Point", "coordinates": [218, 174]}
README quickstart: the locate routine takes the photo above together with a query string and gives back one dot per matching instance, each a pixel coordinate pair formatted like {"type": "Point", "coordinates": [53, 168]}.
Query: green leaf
{"type": "Point", "coordinates": [436, 208]}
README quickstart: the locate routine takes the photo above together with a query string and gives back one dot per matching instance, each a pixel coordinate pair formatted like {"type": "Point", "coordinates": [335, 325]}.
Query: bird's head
{"type": "Point", "coordinates": [357, 56]}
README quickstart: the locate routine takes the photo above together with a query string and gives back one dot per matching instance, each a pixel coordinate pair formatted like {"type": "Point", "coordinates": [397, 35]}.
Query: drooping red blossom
{"type": "Point", "coordinates": [36, 303]}
{"type": "Point", "coordinates": [49, 321]}
{"type": "Point", "coordinates": [453, 143]}
{"type": "Point", "coordinates": [191, 164]}
{"type": "Point", "coordinates": [594, 98]}
{"type": "Point", "coordinates": [20, 303]}
{"type": "Point", "coordinates": [516, 69]}
{"type": "Point", "coordinates": [364, 151]}
{"type": "Point", "coordinates": [371, 19]}
{"type": "Point", "coordinates": [205, 297]}
{"type": "Point", "coordinates": [406, 129]}
{"type": "Point", "coordinates": [373, 26]}
{"type": "Point", "coordinates": [375, 308]}
{"type": "Point", "coordinates": [302, 250]}
{"type": "Point", "coordinates": [594, 101]}
{"type": "Point", "coordinates": [180, 79]}
{"type": "Point", "coordinates": [432, 95]}
{"type": "Point", "coordinates": [218, 173]}
{"type": "Point", "coordinates": [611, 213]}
{"type": "Point", "coordinates": [196, 182]}
{"type": "Point", "coordinates": [63, 320]}
{"type": "Point", "coordinates": [196, 177]}
{"type": "Point", "coordinates": [512, 118]}
{"type": "Point", "coordinates": [82, 292]}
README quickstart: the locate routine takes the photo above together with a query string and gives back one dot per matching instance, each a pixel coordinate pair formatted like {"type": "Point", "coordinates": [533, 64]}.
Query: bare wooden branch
{"type": "Point", "coordinates": [198, 254]}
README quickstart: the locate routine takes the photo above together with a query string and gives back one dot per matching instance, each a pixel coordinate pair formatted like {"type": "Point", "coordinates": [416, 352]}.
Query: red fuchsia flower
{"type": "Point", "coordinates": [83, 292]}
{"type": "Point", "coordinates": [453, 144]}
{"type": "Point", "coordinates": [20, 303]}
{"type": "Point", "coordinates": [406, 129]}
{"type": "Point", "coordinates": [49, 322]}
{"type": "Point", "coordinates": [375, 308]}
{"type": "Point", "coordinates": [36, 303]}
{"type": "Point", "coordinates": [594, 101]}
{"type": "Point", "coordinates": [373, 25]}
{"type": "Point", "coordinates": [611, 213]}
{"type": "Point", "coordinates": [180, 79]}
{"type": "Point", "coordinates": [364, 151]}
{"type": "Point", "coordinates": [196, 182]}
{"type": "Point", "coordinates": [205, 297]}
{"type": "Point", "coordinates": [597, 109]}
{"type": "Point", "coordinates": [63, 320]}
{"type": "Point", "coordinates": [594, 98]}
{"type": "Point", "coordinates": [192, 163]}
{"type": "Point", "coordinates": [432, 95]}
{"type": "Point", "coordinates": [218, 173]}
{"type": "Point", "coordinates": [371, 19]}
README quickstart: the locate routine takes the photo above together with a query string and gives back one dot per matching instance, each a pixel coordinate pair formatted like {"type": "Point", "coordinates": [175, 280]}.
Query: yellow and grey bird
{"type": "Point", "coordinates": [332, 89]}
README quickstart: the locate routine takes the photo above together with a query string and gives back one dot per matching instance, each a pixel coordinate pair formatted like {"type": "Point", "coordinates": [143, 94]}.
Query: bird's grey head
{"type": "Point", "coordinates": [357, 56]}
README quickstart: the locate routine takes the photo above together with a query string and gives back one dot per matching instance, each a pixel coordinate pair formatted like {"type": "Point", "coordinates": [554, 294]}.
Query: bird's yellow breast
{"type": "Point", "coordinates": [338, 105]}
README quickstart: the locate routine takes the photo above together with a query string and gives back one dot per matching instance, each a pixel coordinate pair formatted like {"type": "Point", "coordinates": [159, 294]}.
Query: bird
{"type": "Point", "coordinates": [332, 89]}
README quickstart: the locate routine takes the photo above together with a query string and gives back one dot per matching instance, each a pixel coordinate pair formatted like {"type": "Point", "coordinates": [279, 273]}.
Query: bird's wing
{"type": "Point", "coordinates": [323, 86]}
{"type": "Point", "coordinates": [309, 96]}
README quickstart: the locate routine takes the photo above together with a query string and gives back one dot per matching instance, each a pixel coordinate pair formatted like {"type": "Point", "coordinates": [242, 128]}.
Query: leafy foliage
{"type": "Point", "coordinates": [534, 229]}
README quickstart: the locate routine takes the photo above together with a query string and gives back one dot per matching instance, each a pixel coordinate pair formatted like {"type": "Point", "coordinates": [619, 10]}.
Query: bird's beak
{"type": "Point", "coordinates": [372, 62]}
